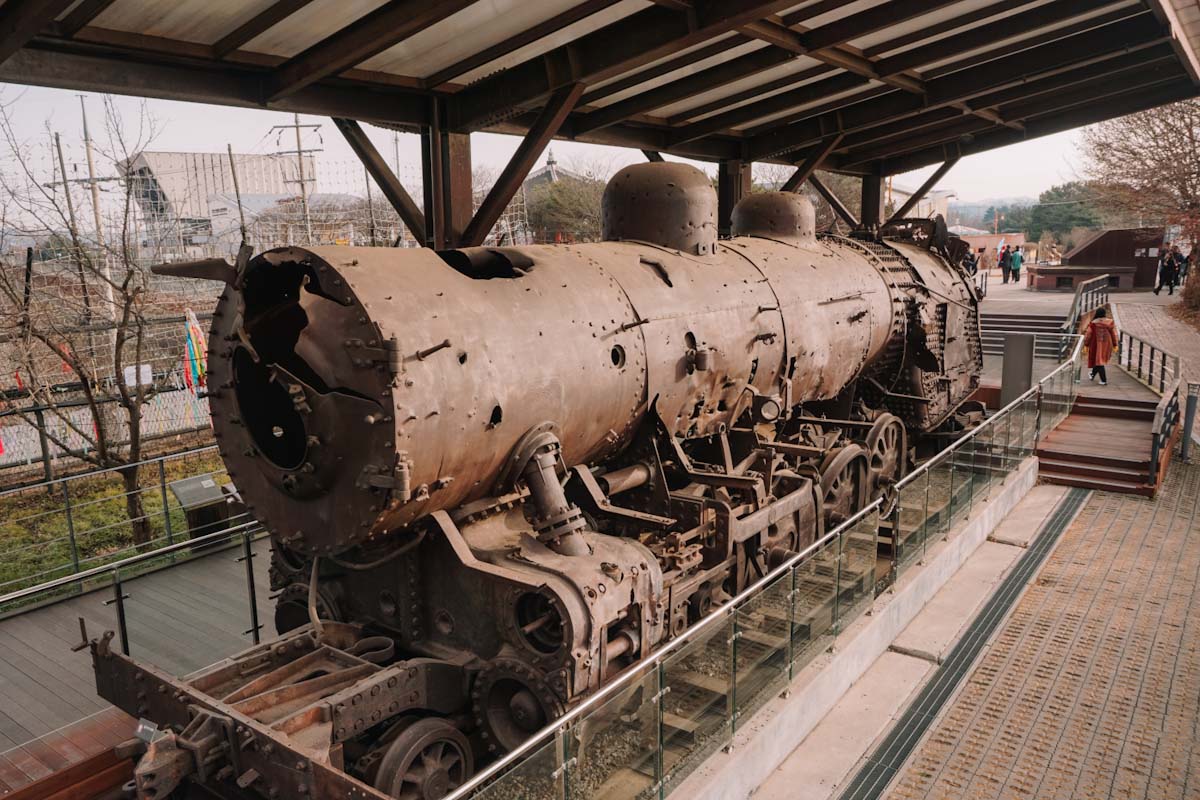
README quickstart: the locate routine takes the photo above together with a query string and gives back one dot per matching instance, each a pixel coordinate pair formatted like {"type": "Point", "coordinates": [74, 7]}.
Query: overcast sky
{"type": "Point", "coordinates": [1021, 170]}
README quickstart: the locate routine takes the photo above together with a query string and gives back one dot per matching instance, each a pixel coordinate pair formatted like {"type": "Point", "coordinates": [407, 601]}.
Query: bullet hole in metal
{"type": "Point", "coordinates": [497, 416]}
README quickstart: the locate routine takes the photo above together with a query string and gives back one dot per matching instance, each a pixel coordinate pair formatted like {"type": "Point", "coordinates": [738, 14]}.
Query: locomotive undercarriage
{"type": "Point", "coordinates": [402, 702]}
{"type": "Point", "coordinates": [476, 526]}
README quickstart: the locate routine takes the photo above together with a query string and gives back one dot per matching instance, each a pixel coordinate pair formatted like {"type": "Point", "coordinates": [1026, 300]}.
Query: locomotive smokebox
{"type": "Point", "coordinates": [667, 204]}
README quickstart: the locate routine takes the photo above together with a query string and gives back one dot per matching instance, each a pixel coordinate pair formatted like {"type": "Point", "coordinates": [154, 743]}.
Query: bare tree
{"type": "Point", "coordinates": [73, 332]}
{"type": "Point", "coordinates": [1146, 166]}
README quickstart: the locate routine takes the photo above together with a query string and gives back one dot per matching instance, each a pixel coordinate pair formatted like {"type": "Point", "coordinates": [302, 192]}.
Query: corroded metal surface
{"type": "Point", "coordinates": [525, 468]}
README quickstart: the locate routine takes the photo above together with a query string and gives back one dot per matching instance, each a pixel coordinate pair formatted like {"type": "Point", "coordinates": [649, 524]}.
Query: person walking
{"type": "Point", "coordinates": [1100, 340]}
{"type": "Point", "coordinates": [1005, 264]}
{"type": "Point", "coordinates": [1014, 264]}
{"type": "Point", "coordinates": [1168, 272]}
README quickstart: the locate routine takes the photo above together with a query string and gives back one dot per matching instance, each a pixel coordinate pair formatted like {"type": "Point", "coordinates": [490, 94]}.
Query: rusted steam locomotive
{"type": "Point", "coordinates": [495, 477]}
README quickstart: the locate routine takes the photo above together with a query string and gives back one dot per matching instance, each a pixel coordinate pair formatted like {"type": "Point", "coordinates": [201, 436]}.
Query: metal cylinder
{"type": "Point", "coordinates": [622, 480]}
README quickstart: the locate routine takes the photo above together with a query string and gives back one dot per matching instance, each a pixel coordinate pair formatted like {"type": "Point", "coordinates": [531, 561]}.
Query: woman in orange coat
{"type": "Point", "coordinates": [1100, 340]}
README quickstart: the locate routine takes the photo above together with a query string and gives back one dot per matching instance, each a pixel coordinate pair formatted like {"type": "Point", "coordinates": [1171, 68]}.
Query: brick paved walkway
{"type": "Point", "coordinates": [1091, 688]}
{"type": "Point", "coordinates": [1147, 318]}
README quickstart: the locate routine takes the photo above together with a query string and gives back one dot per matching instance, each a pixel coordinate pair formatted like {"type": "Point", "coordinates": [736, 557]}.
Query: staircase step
{"type": "Point", "coordinates": [1086, 469]}
{"type": "Point", "coordinates": [1116, 411]}
{"type": "Point", "coordinates": [1085, 400]}
{"type": "Point", "coordinates": [1059, 454]}
{"type": "Point", "coordinates": [1098, 484]}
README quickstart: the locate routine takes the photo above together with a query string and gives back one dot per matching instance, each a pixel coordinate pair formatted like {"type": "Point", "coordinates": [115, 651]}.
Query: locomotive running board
{"type": "Point", "coordinates": [270, 720]}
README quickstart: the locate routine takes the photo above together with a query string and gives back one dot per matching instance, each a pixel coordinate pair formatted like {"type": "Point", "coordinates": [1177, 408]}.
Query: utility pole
{"type": "Point", "coordinates": [300, 151]}
{"type": "Point", "coordinates": [76, 247]}
{"type": "Point", "coordinates": [95, 187]}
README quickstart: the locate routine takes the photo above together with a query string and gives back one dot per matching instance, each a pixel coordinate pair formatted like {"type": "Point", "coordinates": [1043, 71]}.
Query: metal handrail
{"type": "Point", "coordinates": [96, 472]}
{"type": "Point", "coordinates": [1087, 298]}
{"type": "Point", "coordinates": [638, 671]}
{"type": "Point", "coordinates": [625, 680]}
{"type": "Point", "coordinates": [1147, 376]}
{"type": "Point", "coordinates": [125, 563]}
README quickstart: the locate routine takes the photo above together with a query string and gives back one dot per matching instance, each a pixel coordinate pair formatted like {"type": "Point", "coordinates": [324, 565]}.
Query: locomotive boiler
{"type": "Point", "coordinates": [495, 477]}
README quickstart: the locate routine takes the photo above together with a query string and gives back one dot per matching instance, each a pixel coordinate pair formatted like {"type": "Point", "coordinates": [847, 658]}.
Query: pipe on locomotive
{"type": "Point", "coordinates": [355, 390]}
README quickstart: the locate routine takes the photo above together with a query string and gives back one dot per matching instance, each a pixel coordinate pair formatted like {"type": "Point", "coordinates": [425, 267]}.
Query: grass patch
{"type": "Point", "coordinates": [36, 526]}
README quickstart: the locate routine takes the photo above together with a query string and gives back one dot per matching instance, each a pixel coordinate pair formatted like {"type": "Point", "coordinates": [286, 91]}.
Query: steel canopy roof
{"type": "Point", "coordinates": [880, 87]}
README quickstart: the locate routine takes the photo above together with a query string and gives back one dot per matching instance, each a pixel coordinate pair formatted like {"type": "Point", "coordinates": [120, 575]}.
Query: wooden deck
{"type": "Point", "coordinates": [180, 619]}
{"type": "Point", "coordinates": [1107, 441]}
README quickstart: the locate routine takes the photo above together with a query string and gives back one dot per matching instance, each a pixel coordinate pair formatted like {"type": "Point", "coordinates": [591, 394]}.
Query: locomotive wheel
{"type": "Point", "coordinates": [886, 445]}
{"type": "Point", "coordinates": [843, 478]}
{"type": "Point", "coordinates": [511, 701]}
{"type": "Point", "coordinates": [428, 760]}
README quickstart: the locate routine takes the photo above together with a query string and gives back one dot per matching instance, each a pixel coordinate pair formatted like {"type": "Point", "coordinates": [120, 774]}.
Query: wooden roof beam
{"type": "Point", "coordinates": [1054, 58]}
{"type": "Point", "coordinates": [626, 44]}
{"type": "Point", "coordinates": [1025, 109]}
{"type": "Point", "coordinates": [788, 44]}
{"type": "Point", "coordinates": [919, 194]}
{"type": "Point", "coordinates": [388, 183]}
{"type": "Point", "coordinates": [966, 41]}
{"type": "Point", "coordinates": [257, 25]}
{"type": "Point", "coordinates": [543, 130]}
{"type": "Point", "coordinates": [810, 164]}
{"type": "Point", "coordinates": [367, 36]}
{"type": "Point", "coordinates": [834, 201]}
{"type": "Point", "coordinates": [1086, 114]}
{"type": "Point", "coordinates": [517, 41]}
{"type": "Point", "coordinates": [81, 16]}
{"type": "Point", "coordinates": [21, 20]}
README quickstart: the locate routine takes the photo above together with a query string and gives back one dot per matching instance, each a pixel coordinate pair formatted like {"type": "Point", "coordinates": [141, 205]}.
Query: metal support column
{"type": "Point", "coordinates": [872, 201]}
{"type": "Point", "coordinates": [733, 183]}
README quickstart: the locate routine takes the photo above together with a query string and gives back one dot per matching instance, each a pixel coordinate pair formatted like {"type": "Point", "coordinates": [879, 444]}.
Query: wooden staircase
{"type": "Point", "coordinates": [992, 327]}
{"type": "Point", "coordinates": [1104, 444]}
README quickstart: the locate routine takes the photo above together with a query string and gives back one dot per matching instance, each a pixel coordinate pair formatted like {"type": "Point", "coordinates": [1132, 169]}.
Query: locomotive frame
{"type": "Point", "coordinates": [760, 390]}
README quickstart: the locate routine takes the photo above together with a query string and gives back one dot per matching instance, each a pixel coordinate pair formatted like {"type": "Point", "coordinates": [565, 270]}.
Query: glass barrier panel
{"type": "Point", "coordinates": [190, 614]}
{"type": "Point", "coordinates": [859, 568]}
{"type": "Point", "coordinates": [985, 447]}
{"type": "Point", "coordinates": [698, 709]}
{"type": "Point", "coordinates": [938, 506]}
{"type": "Point", "coordinates": [814, 604]}
{"type": "Point", "coordinates": [539, 776]}
{"type": "Point", "coordinates": [613, 750]}
{"type": "Point", "coordinates": [1010, 429]}
{"type": "Point", "coordinates": [912, 503]}
{"type": "Point", "coordinates": [762, 647]}
{"type": "Point", "coordinates": [962, 460]}
{"type": "Point", "coordinates": [1023, 426]}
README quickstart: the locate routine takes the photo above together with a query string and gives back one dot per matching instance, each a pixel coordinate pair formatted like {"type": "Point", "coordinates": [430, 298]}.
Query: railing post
{"type": "Point", "coordinates": [1162, 371]}
{"type": "Point", "coordinates": [119, 598]}
{"type": "Point", "coordinates": [70, 527]}
{"type": "Point", "coordinates": [1189, 416]}
{"type": "Point", "coordinates": [248, 559]}
{"type": "Point", "coordinates": [1037, 419]}
{"type": "Point", "coordinates": [791, 625]}
{"type": "Point", "coordinates": [1141, 357]}
{"type": "Point", "coordinates": [162, 487]}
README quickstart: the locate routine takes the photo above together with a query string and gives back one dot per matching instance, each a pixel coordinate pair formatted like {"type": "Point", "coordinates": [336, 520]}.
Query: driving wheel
{"type": "Point", "coordinates": [887, 444]}
{"type": "Point", "coordinates": [843, 480]}
{"type": "Point", "coordinates": [428, 760]}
